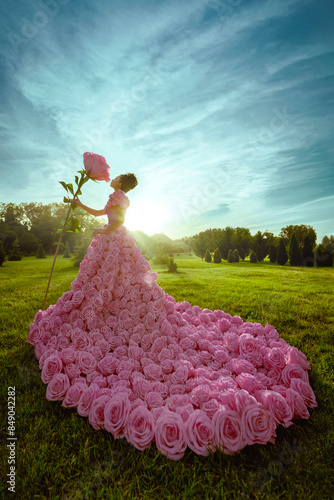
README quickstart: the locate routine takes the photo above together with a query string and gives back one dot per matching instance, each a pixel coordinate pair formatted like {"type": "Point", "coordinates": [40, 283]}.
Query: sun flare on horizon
{"type": "Point", "coordinates": [149, 217]}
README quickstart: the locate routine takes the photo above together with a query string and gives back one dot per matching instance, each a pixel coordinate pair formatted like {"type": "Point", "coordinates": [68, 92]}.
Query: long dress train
{"type": "Point", "coordinates": [138, 364]}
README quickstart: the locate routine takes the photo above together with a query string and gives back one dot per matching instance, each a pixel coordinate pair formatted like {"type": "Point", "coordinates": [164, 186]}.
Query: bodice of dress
{"type": "Point", "coordinates": [116, 199]}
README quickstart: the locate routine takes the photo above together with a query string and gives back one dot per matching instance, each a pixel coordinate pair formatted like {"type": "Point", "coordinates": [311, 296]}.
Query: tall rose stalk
{"type": "Point", "coordinates": [96, 169]}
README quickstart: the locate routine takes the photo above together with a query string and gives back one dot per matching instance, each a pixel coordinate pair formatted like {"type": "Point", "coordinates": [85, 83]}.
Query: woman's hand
{"type": "Point", "coordinates": [97, 231]}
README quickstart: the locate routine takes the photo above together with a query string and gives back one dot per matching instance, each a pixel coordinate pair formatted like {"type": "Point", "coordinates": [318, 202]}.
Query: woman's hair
{"type": "Point", "coordinates": [129, 181]}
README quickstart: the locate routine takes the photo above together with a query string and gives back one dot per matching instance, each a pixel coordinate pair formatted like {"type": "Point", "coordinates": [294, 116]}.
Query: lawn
{"type": "Point", "coordinates": [60, 456]}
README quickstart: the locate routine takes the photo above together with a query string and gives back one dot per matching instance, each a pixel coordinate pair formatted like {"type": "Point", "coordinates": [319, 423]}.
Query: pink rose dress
{"type": "Point", "coordinates": [141, 366]}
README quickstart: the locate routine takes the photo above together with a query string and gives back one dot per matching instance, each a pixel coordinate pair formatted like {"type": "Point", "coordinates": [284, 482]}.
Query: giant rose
{"type": "Point", "coordinates": [96, 166]}
{"type": "Point", "coordinates": [96, 412]}
{"type": "Point", "coordinates": [52, 366]}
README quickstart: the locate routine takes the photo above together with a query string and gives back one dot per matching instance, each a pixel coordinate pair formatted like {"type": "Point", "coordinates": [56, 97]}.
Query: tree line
{"type": "Point", "coordinates": [295, 243]}
{"type": "Point", "coordinates": [31, 229]}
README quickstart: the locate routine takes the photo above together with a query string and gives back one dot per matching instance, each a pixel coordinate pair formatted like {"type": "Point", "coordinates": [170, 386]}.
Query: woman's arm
{"type": "Point", "coordinates": [114, 225]}
{"type": "Point", "coordinates": [91, 211]}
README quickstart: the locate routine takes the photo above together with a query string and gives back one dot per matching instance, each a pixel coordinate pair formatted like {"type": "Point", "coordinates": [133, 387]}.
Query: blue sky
{"type": "Point", "coordinates": [223, 109]}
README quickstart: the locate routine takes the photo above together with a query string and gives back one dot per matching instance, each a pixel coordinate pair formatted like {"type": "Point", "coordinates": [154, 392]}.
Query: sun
{"type": "Point", "coordinates": [149, 217]}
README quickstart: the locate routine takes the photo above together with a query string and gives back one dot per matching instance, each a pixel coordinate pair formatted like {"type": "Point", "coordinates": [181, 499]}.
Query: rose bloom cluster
{"type": "Point", "coordinates": [141, 366]}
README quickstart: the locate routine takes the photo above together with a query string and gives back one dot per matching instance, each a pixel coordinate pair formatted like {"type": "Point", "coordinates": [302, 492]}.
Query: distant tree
{"type": "Point", "coordinates": [208, 255]}
{"type": "Point", "coordinates": [241, 240]}
{"type": "Point", "coordinates": [236, 255]}
{"type": "Point", "coordinates": [300, 231]}
{"type": "Point", "coordinates": [217, 257]}
{"type": "Point", "coordinates": [282, 256]}
{"type": "Point", "coordinates": [272, 254]}
{"type": "Point", "coordinates": [324, 256]}
{"type": "Point", "coordinates": [2, 254]}
{"type": "Point", "coordinates": [260, 245]}
{"type": "Point", "coordinates": [67, 251]}
{"type": "Point", "coordinates": [253, 257]}
{"type": "Point", "coordinates": [40, 252]}
{"type": "Point", "coordinates": [295, 257]}
{"type": "Point", "coordinates": [28, 243]}
{"type": "Point", "coordinates": [172, 266]}
{"type": "Point", "coordinates": [230, 256]}
{"type": "Point", "coordinates": [307, 253]}
{"type": "Point", "coordinates": [199, 245]}
{"type": "Point", "coordinates": [15, 253]}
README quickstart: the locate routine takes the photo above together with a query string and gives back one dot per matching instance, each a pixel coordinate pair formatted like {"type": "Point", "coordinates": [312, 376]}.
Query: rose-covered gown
{"type": "Point", "coordinates": [138, 364]}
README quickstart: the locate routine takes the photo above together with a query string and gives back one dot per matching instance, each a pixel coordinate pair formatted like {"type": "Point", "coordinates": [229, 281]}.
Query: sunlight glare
{"type": "Point", "coordinates": [149, 217]}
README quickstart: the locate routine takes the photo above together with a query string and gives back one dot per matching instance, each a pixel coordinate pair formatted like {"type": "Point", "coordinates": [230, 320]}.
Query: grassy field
{"type": "Point", "coordinates": [60, 456]}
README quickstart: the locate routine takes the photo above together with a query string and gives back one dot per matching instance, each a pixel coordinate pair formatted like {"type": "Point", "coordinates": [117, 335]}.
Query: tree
{"type": "Point", "coordinates": [294, 252]}
{"type": "Point", "coordinates": [236, 255]}
{"type": "Point", "coordinates": [172, 267]}
{"type": "Point", "coordinates": [307, 253]}
{"type": "Point", "coordinates": [282, 256]}
{"type": "Point", "coordinates": [230, 257]}
{"type": "Point", "coordinates": [272, 254]}
{"type": "Point", "coordinates": [208, 255]}
{"type": "Point", "coordinates": [260, 245]}
{"type": "Point", "coordinates": [217, 257]}
{"type": "Point", "coordinates": [300, 231]}
{"type": "Point", "coordinates": [15, 253]}
{"type": "Point", "coordinates": [241, 240]}
{"type": "Point", "coordinates": [67, 251]}
{"type": "Point", "coordinates": [40, 252]}
{"type": "Point", "coordinates": [253, 257]}
{"type": "Point", "coordinates": [324, 256]}
{"type": "Point", "coordinates": [2, 254]}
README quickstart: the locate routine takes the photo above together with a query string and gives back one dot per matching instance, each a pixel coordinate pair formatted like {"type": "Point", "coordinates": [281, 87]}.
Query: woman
{"type": "Point", "coordinates": [140, 365]}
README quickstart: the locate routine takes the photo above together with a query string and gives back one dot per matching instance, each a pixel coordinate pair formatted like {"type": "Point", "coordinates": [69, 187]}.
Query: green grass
{"type": "Point", "coordinates": [60, 456]}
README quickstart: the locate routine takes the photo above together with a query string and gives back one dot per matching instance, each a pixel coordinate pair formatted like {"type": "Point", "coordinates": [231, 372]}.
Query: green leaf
{"type": "Point", "coordinates": [70, 188]}
{"type": "Point", "coordinates": [76, 180]}
{"type": "Point", "coordinates": [63, 184]}
{"type": "Point", "coordinates": [66, 200]}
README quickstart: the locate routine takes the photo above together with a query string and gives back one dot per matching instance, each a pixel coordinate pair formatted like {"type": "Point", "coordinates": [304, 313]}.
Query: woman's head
{"type": "Point", "coordinates": [125, 182]}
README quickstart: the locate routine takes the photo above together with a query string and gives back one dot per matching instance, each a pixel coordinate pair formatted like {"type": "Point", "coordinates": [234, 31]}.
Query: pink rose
{"type": "Point", "coordinates": [180, 374]}
{"type": "Point", "coordinates": [258, 425]}
{"type": "Point", "coordinates": [248, 345]}
{"type": "Point", "coordinates": [34, 334]}
{"type": "Point", "coordinates": [52, 366]}
{"type": "Point", "coordinates": [108, 364]}
{"type": "Point", "coordinates": [276, 405]}
{"type": "Point", "coordinates": [305, 390]}
{"type": "Point", "coordinates": [86, 362]}
{"type": "Point", "coordinates": [72, 371]}
{"type": "Point", "coordinates": [295, 356]}
{"type": "Point", "coordinates": [170, 435]}
{"type": "Point", "coordinates": [96, 167]}
{"type": "Point", "coordinates": [185, 411]}
{"type": "Point", "coordinates": [200, 394]}
{"type": "Point", "coordinates": [274, 359]}
{"type": "Point", "coordinates": [200, 433]}
{"type": "Point", "coordinates": [153, 372]}
{"type": "Point", "coordinates": [297, 404]}
{"type": "Point", "coordinates": [96, 412]}
{"type": "Point", "coordinates": [153, 399]}
{"type": "Point", "coordinates": [141, 386]}
{"type": "Point", "coordinates": [248, 382]}
{"type": "Point", "coordinates": [228, 436]}
{"type": "Point", "coordinates": [116, 414]}
{"type": "Point", "coordinates": [68, 355]}
{"type": "Point", "coordinates": [73, 395]}
{"type": "Point", "coordinates": [57, 387]}
{"type": "Point", "coordinates": [86, 399]}
{"type": "Point", "coordinates": [294, 371]}
{"type": "Point", "coordinates": [140, 428]}
{"type": "Point", "coordinates": [210, 407]}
